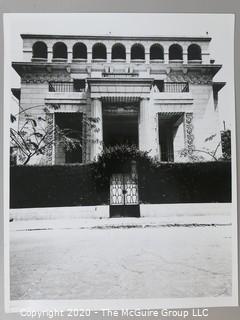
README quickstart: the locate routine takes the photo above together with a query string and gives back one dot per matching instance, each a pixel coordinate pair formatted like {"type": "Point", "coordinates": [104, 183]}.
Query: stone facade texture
{"type": "Point", "coordinates": [176, 99]}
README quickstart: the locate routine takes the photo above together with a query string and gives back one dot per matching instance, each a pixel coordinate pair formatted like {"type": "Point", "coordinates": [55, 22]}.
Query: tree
{"type": "Point", "coordinates": [34, 136]}
{"type": "Point", "coordinates": [226, 144]}
{"type": "Point", "coordinates": [197, 154]}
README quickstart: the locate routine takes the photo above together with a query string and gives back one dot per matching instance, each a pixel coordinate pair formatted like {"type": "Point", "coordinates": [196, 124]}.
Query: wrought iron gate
{"type": "Point", "coordinates": [124, 201]}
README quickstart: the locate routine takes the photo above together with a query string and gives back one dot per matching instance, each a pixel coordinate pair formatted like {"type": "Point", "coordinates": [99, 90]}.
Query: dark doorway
{"type": "Point", "coordinates": [168, 126]}
{"type": "Point", "coordinates": [166, 140]}
{"type": "Point", "coordinates": [120, 127]}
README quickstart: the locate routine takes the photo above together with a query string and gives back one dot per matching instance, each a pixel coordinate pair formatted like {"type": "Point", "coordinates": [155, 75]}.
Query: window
{"type": "Point", "coordinates": [137, 52]}
{"type": "Point", "coordinates": [60, 51]}
{"type": "Point", "coordinates": [118, 51]}
{"type": "Point", "coordinates": [39, 50]}
{"type": "Point", "coordinates": [194, 52]}
{"type": "Point", "coordinates": [79, 84]}
{"type": "Point", "coordinates": [156, 52]}
{"type": "Point", "coordinates": [79, 51]}
{"type": "Point", "coordinates": [175, 52]}
{"type": "Point", "coordinates": [99, 51]}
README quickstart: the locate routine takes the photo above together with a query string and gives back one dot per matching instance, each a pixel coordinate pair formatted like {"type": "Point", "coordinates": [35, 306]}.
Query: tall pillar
{"type": "Point", "coordinates": [97, 132]}
{"type": "Point", "coordinates": [148, 131]}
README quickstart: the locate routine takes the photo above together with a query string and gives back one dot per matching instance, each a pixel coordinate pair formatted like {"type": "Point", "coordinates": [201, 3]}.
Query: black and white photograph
{"type": "Point", "coordinates": [120, 157]}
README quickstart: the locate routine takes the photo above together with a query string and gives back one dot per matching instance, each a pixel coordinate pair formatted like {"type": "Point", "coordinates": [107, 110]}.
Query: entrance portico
{"type": "Point", "coordinates": [126, 115]}
{"type": "Point", "coordinates": [129, 113]}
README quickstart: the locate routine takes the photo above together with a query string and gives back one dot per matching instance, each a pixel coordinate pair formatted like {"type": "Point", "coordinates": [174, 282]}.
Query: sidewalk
{"type": "Point", "coordinates": [106, 223]}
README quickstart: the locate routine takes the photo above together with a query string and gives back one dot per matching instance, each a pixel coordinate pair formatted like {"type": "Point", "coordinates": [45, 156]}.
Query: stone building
{"type": "Point", "coordinates": [154, 92]}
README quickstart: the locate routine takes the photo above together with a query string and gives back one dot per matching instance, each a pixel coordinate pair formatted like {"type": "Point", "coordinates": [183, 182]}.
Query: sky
{"type": "Point", "coordinates": [218, 26]}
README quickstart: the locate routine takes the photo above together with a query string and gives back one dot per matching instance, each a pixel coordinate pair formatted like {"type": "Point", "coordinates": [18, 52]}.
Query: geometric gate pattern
{"type": "Point", "coordinates": [124, 189]}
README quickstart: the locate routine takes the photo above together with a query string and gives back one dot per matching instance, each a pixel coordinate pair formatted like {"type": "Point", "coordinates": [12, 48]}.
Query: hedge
{"type": "Point", "coordinates": [75, 185]}
{"type": "Point", "coordinates": [201, 182]}
{"type": "Point", "coordinates": [54, 186]}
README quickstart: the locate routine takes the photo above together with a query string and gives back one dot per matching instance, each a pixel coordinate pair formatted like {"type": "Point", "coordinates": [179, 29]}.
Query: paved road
{"type": "Point", "coordinates": [121, 263]}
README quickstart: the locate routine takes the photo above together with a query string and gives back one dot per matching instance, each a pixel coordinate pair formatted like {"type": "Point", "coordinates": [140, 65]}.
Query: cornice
{"type": "Point", "coordinates": [117, 37]}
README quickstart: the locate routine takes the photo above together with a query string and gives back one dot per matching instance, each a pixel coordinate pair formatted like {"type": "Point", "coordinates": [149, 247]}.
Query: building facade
{"type": "Point", "coordinates": [157, 93]}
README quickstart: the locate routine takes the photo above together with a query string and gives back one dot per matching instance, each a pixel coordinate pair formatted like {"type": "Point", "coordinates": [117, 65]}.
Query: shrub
{"type": "Point", "coordinates": [118, 159]}
{"type": "Point", "coordinates": [186, 182]}
{"type": "Point", "coordinates": [82, 185]}
{"type": "Point", "coordinates": [54, 186]}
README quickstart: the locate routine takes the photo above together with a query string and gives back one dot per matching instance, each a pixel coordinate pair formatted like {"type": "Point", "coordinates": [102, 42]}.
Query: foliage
{"type": "Point", "coordinates": [34, 136]}
{"type": "Point", "coordinates": [197, 155]}
{"type": "Point", "coordinates": [119, 158]}
{"type": "Point", "coordinates": [54, 186]}
{"type": "Point", "coordinates": [193, 182]}
{"type": "Point", "coordinates": [226, 144]}
{"type": "Point", "coordinates": [78, 185]}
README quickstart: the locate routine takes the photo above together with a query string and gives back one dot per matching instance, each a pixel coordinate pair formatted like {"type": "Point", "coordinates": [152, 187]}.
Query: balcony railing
{"type": "Point", "coordinates": [64, 86]}
{"type": "Point", "coordinates": [171, 87]}
{"type": "Point", "coordinates": [175, 87]}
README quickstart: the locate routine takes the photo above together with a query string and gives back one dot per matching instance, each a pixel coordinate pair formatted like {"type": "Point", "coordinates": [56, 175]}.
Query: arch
{"type": "Point", "coordinates": [137, 52]}
{"type": "Point", "coordinates": [79, 51]}
{"type": "Point", "coordinates": [59, 50]}
{"type": "Point", "coordinates": [175, 52]}
{"type": "Point", "coordinates": [156, 52]}
{"type": "Point", "coordinates": [99, 51]}
{"type": "Point", "coordinates": [194, 52]}
{"type": "Point", "coordinates": [118, 51]}
{"type": "Point", "coordinates": [39, 50]}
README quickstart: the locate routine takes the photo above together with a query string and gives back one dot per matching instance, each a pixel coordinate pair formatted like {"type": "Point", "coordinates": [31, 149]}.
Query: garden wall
{"type": "Point", "coordinates": [186, 183]}
{"type": "Point", "coordinates": [54, 186]}
{"type": "Point", "coordinates": [80, 185]}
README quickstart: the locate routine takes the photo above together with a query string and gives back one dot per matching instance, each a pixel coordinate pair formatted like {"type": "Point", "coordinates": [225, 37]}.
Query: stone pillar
{"type": "Point", "coordinates": [128, 56]}
{"type": "Point", "coordinates": [147, 57]}
{"type": "Point", "coordinates": [188, 134]}
{"type": "Point", "coordinates": [97, 132]}
{"type": "Point", "coordinates": [69, 56]}
{"type": "Point", "coordinates": [185, 57]}
{"type": "Point", "coordinates": [178, 141]}
{"type": "Point", "coordinates": [166, 58]}
{"type": "Point", "coordinates": [147, 130]}
{"type": "Point", "coordinates": [89, 57]}
{"type": "Point", "coordinates": [109, 56]}
{"type": "Point", "coordinates": [50, 56]}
